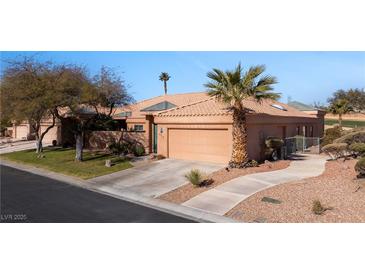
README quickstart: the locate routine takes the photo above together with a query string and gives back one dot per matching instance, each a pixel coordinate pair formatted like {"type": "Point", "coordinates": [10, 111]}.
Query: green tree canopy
{"type": "Point", "coordinates": [340, 107]}
{"type": "Point", "coordinates": [355, 98]}
{"type": "Point", "coordinates": [89, 99]}
{"type": "Point", "coordinates": [27, 93]}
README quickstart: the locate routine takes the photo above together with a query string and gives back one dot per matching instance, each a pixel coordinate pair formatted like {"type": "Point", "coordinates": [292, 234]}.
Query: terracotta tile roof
{"type": "Point", "coordinates": [176, 99]}
{"type": "Point", "coordinates": [206, 107]}
{"type": "Point", "coordinates": [201, 104]}
{"type": "Point", "coordinates": [211, 106]}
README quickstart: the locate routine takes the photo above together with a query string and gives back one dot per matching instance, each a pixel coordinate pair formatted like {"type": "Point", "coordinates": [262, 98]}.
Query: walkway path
{"type": "Point", "coordinates": [224, 197]}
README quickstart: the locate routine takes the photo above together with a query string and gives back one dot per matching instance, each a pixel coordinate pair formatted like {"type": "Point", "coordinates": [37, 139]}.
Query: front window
{"type": "Point", "coordinates": [138, 128]}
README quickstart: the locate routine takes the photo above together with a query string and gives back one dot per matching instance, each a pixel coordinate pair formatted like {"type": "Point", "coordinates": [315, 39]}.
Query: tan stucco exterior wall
{"type": "Point", "coordinates": [101, 139]}
{"type": "Point", "coordinates": [262, 126]}
{"type": "Point", "coordinates": [146, 122]}
{"type": "Point", "coordinates": [259, 128]}
{"type": "Point", "coordinates": [53, 134]}
{"type": "Point", "coordinates": [22, 131]}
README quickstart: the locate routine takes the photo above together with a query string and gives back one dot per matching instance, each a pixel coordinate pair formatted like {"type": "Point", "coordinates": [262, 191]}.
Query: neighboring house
{"type": "Point", "coordinates": [24, 131]}
{"type": "Point", "coordinates": [60, 133]}
{"type": "Point", "coordinates": [194, 126]}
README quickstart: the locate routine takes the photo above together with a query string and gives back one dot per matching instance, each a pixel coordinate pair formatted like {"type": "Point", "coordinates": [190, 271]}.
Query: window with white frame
{"type": "Point", "coordinates": [138, 128]}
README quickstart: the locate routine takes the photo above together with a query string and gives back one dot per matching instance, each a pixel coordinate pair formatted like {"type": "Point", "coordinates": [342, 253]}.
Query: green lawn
{"type": "Point", "coordinates": [62, 160]}
{"type": "Point", "coordinates": [345, 123]}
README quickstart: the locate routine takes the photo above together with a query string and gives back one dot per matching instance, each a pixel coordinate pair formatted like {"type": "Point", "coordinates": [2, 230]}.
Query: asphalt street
{"type": "Point", "coordinates": [26, 197]}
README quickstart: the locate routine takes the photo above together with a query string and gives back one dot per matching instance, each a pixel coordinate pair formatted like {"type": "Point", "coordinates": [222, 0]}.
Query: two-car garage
{"type": "Point", "coordinates": [200, 144]}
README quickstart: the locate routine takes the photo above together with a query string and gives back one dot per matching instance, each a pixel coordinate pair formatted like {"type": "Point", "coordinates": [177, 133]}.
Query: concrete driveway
{"type": "Point", "coordinates": [18, 146]}
{"type": "Point", "coordinates": [152, 179]}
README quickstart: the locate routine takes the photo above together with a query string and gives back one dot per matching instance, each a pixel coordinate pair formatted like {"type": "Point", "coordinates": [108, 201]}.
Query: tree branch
{"type": "Point", "coordinates": [51, 126]}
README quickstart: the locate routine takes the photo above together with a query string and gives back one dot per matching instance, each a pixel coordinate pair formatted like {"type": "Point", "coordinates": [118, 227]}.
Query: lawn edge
{"type": "Point", "coordinates": [161, 205]}
{"type": "Point", "coordinates": [3, 157]}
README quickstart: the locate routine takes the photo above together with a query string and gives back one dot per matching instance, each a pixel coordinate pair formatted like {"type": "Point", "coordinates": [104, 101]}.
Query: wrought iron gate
{"type": "Point", "coordinates": [302, 144]}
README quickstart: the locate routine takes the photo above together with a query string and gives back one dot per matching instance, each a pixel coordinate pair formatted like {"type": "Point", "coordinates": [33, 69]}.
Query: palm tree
{"type": "Point", "coordinates": [340, 107]}
{"type": "Point", "coordinates": [232, 87]}
{"type": "Point", "coordinates": [164, 76]}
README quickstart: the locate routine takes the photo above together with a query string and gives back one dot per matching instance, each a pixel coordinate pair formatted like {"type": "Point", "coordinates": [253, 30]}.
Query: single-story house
{"type": "Point", "coordinates": [60, 133]}
{"type": "Point", "coordinates": [24, 131]}
{"type": "Point", "coordinates": [195, 126]}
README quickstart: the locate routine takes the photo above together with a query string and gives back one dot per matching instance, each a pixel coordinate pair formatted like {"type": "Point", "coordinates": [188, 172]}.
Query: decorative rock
{"type": "Point", "coordinates": [270, 200]}
{"type": "Point", "coordinates": [268, 163]}
{"type": "Point", "coordinates": [108, 163]}
{"type": "Point", "coordinates": [237, 214]}
{"type": "Point", "coordinates": [260, 220]}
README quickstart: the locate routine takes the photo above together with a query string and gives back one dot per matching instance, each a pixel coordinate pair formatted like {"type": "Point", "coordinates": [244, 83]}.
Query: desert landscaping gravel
{"type": "Point", "coordinates": [337, 188]}
{"type": "Point", "coordinates": [188, 191]}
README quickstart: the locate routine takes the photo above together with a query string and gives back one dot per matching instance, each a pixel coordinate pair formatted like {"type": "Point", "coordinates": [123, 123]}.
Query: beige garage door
{"type": "Point", "coordinates": [210, 145]}
{"type": "Point", "coordinates": [21, 132]}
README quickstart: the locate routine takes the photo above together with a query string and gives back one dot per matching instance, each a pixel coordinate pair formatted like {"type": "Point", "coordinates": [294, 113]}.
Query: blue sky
{"type": "Point", "coordinates": [304, 76]}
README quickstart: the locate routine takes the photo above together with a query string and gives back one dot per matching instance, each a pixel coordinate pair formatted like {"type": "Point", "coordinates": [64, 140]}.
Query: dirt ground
{"type": "Point", "coordinates": [336, 188]}
{"type": "Point", "coordinates": [221, 176]}
{"type": "Point", "coordinates": [352, 116]}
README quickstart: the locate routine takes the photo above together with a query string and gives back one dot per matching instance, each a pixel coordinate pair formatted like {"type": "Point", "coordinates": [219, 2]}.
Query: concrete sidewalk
{"type": "Point", "coordinates": [226, 196]}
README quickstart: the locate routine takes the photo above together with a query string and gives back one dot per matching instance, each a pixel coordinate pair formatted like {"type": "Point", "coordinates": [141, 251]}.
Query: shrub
{"type": "Point", "coordinates": [357, 129]}
{"type": "Point", "coordinates": [317, 207]}
{"type": "Point", "coordinates": [358, 149]}
{"type": "Point", "coordinates": [335, 150]}
{"type": "Point", "coordinates": [360, 167]}
{"type": "Point", "coordinates": [252, 163]}
{"type": "Point", "coordinates": [273, 147]}
{"type": "Point", "coordinates": [196, 177]}
{"type": "Point", "coordinates": [331, 134]}
{"type": "Point", "coordinates": [274, 142]}
{"type": "Point", "coordinates": [119, 148]}
{"type": "Point", "coordinates": [138, 150]}
{"type": "Point", "coordinates": [160, 157]}
{"type": "Point", "coordinates": [352, 137]}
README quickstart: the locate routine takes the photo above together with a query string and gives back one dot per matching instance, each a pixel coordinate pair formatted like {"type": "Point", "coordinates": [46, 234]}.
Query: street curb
{"type": "Point", "coordinates": [161, 205]}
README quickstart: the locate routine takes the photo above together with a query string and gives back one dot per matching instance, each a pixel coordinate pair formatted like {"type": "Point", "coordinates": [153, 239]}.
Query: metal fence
{"type": "Point", "coordinates": [302, 144]}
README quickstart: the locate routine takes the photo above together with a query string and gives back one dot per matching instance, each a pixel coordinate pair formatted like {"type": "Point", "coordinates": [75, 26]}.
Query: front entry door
{"type": "Point", "coordinates": [155, 138]}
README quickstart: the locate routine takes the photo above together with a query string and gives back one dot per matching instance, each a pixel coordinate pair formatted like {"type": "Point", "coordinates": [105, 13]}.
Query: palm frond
{"type": "Point", "coordinates": [232, 86]}
{"type": "Point", "coordinates": [267, 80]}
{"type": "Point", "coordinates": [164, 76]}
{"type": "Point", "coordinates": [267, 95]}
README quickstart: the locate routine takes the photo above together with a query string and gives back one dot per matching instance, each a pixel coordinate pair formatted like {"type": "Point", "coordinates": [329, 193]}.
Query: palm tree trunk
{"type": "Point", "coordinates": [165, 86]}
{"type": "Point", "coordinates": [239, 135]}
{"type": "Point", "coordinates": [340, 121]}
